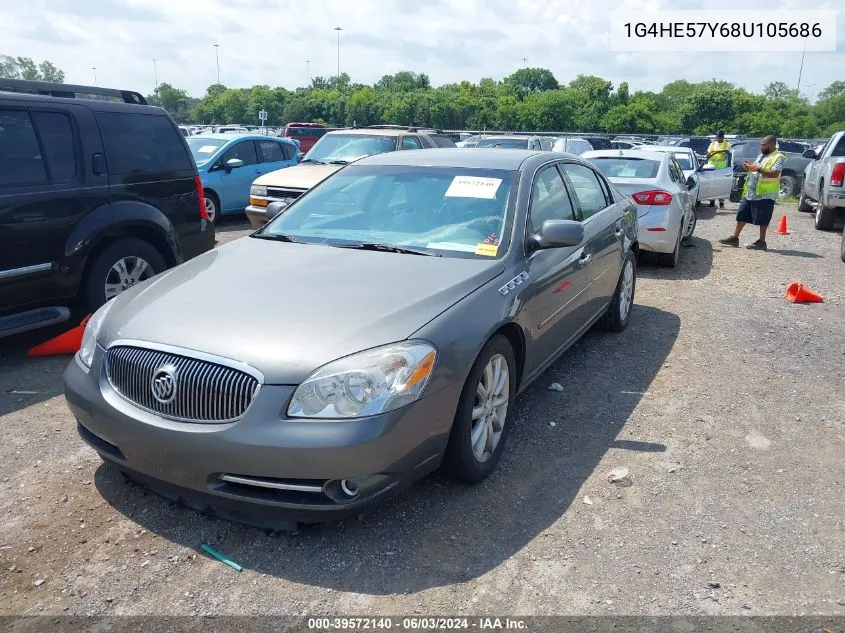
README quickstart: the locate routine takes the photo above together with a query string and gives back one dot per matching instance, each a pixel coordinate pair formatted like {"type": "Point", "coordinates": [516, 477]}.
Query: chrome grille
{"type": "Point", "coordinates": [206, 392]}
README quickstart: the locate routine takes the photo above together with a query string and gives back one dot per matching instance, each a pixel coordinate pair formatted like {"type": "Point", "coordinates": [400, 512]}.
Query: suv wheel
{"type": "Point", "coordinates": [123, 264]}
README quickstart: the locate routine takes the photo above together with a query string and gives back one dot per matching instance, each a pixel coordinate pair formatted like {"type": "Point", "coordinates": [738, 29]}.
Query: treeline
{"type": "Point", "coordinates": [529, 99]}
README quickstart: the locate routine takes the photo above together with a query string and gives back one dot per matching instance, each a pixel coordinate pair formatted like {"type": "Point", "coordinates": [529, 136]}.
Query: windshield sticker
{"type": "Point", "coordinates": [207, 149]}
{"type": "Point", "coordinates": [451, 246]}
{"type": "Point", "coordinates": [490, 250]}
{"type": "Point", "coordinates": [492, 239]}
{"type": "Point", "coordinates": [473, 187]}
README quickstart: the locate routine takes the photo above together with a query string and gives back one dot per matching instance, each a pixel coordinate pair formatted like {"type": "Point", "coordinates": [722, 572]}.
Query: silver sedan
{"type": "Point", "coordinates": [665, 198]}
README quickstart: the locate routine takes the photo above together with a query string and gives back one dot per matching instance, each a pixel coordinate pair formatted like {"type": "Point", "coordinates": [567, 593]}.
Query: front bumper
{"type": "Point", "coordinates": [257, 216]}
{"type": "Point", "coordinates": [184, 462]}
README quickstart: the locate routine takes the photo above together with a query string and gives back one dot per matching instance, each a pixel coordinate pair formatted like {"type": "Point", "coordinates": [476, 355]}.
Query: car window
{"type": "Point", "coordinates": [20, 157]}
{"type": "Point", "coordinates": [245, 150]}
{"type": "Point", "coordinates": [626, 167]}
{"type": "Point", "coordinates": [587, 188]}
{"type": "Point", "coordinates": [59, 148]}
{"type": "Point", "coordinates": [350, 147]}
{"type": "Point", "coordinates": [839, 150]}
{"type": "Point", "coordinates": [411, 142]}
{"type": "Point", "coordinates": [305, 132]}
{"type": "Point", "coordinates": [288, 150]}
{"type": "Point", "coordinates": [549, 199]}
{"type": "Point", "coordinates": [675, 171]}
{"type": "Point", "coordinates": [504, 143]}
{"type": "Point", "coordinates": [142, 143]}
{"type": "Point", "coordinates": [271, 151]}
{"type": "Point", "coordinates": [685, 161]}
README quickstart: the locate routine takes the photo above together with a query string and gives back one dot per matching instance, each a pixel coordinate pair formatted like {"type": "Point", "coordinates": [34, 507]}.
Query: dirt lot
{"type": "Point", "coordinates": [725, 403]}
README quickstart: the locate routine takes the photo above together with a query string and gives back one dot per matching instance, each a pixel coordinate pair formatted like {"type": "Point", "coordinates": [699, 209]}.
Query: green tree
{"type": "Point", "coordinates": [174, 100]}
{"type": "Point", "coordinates": [836, 89]}
{"type": "Point", "coordinates": [527, 80]}
{"type": "Point", "coordinates": [26, 68]}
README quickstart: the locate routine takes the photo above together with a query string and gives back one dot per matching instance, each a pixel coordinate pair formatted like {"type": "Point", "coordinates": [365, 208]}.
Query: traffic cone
{"type": "Point", "coordinates": [797, 293]}
{"type": "Point", "coordinates": [67, 343]}
{"type": "Point", "coordinates": [781, 230]}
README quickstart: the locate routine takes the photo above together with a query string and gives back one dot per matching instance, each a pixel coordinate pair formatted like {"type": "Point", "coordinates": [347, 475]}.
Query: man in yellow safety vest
{"type": "Point", "coordinates": [717, 155]}
{"type": "Point", "coordinates": [761, 189]}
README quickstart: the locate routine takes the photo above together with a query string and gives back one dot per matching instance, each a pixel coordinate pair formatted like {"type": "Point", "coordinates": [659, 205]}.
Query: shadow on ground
{"type": "Point", "coordinates": [232, 223]}
{"type": "Point", "coordinates": [440, 532]}
{"type": "Point", "coordinates": [696, 262]}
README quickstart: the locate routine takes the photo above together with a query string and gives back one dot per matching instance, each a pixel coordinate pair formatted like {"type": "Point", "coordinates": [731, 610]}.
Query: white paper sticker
{"type": "Point", "coordinates": [473, 187]}
{"type": "Point", "coordinates": [207, 149]}
{"type": "Point", "coordinates": [451, 246]}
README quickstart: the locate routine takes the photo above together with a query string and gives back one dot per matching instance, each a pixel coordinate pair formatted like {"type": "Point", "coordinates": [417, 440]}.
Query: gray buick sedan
{"type": "Point", "coordinates": [380, 327]}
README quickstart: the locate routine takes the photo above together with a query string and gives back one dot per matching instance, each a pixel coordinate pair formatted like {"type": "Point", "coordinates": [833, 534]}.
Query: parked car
{"type": "Point", "coordinates": [571, 145]}
{"type": "Point", "coordinates": [229, 164]}
{"type": "Point", "coordinates": [824, 183]}
{"type": "Point", "coordinates": [441, 284]}
{"type": "Point", "coordinates": [272, 193]}
{"type": "Point", "coordinates": [306, 133]}
{"type": "Point", "coordinates": [698, 144]}
{"type": "Point", "coordinates": [470, 141]}
{"type": "Point", "coordinates": [515, 141]}
{"type": "Point", "coordinates": [711, 183]}
{"type": "Point", "coordinates": [656, 183]}
{"type": "Point", "coordinates": [96, 196]}
{"type": "Point", "coordinates": [230, 129]}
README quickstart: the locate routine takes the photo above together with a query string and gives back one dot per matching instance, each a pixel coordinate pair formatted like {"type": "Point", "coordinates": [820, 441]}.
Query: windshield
{"type": "Point", "coordinates": [203, 149]}
{"type": "Point", "coordinates": [349, 147]}
{"type": "Point", "coordinates": [506, 143]}
{"type": "Point", "coordinates": [685, 161]}
{"type": "Point", "coordinates": [628, 167]}
{"type": "Point", "coordinates": [455, 212]}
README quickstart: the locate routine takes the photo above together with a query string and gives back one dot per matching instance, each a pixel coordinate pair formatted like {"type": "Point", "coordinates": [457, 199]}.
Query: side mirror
{"type": "Point", "coordinates": [810, 154]}
{"type": "Point", "coordinates": [300, 156]}
{"type": "Point", "coordinates": [707, 167]}
{"type": "Point", "coordinates": [274, 209]}
{"type": "Point", "coordinates": [557, 234]}
{"type": "Point", "coordinates": [234, 163]}
{"type": "Point", "coordinates": [691, 183]}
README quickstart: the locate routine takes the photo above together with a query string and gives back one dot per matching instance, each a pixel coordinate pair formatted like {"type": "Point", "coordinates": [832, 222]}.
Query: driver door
{"type": "Point", "coordinates": [236, 183]}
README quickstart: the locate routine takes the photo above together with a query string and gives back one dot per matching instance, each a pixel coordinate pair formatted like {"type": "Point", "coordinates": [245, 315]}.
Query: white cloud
{"type": "Point", "coordinates": [450, 40]}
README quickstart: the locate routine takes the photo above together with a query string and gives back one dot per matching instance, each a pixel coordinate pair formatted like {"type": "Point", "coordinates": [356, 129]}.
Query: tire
{"type": "Point", "coordinates": [787, 185]}
{"type": "Point", "coordinates": [804, 204]}
{"type": "Point", "coordinates": [825, 216]}
{"type": "Point", "coordinates": [670, 260]}
{"type": "Point", "coordinates": [100, 273]}
{"type": "Point", "coordinates": [212, 206]}
{"type": "Point", "coordinates": [621, 305]}
{"type": "Point", "coordinates": [691, 224]}
{"type": "Point", "coordinates": [460, 458]}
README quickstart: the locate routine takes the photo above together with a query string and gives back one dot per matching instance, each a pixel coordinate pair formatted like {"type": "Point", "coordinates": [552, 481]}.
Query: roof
{"type": "Point", "coordinates": [240, 137]}
{"type": "Point", "coordinates": [625, 153]}
{"type": "Point", "coordinates": [520, 137]}
{"type": "Point", "coordinates": [368, 132]}
{"type": "Point", "coordinates": [668, 148]}
{"type": "Point", "coordinates": [96, 105]}
{"type": "Point", "coordinates": [507, 159]}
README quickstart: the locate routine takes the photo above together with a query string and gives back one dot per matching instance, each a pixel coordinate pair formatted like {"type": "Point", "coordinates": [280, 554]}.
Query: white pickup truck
{"type": "Point", "coordinates": [824, 183]}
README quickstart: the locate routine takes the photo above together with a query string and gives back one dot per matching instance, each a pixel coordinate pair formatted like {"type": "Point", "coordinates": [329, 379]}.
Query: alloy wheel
{"type": "Point", "coordinates": [125, 273]}
{"type": "Point", "coordinates": [490, 408]}
{"type": "Point", "coordinates": [627, 298]}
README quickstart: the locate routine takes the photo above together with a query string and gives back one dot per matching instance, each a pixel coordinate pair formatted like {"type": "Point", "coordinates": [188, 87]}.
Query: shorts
{"type": "Point", "coordinates": [757, 212]}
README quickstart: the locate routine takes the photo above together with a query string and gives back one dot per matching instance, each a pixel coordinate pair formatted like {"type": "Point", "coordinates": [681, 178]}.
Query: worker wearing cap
{"type": "Point", "coordinates": [717, 155]}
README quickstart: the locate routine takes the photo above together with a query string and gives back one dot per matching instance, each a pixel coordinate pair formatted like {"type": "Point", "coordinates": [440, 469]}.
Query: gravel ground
{"type": "Point", "coordinates": [725, 403]}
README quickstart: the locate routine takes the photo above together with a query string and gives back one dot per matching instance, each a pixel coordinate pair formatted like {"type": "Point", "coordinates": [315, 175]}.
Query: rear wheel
{"type": "Point", "coordinates": [212, 206]}
{"type": "Point", "coordinates": [824, 215]}
{"type": "Point", "coordinates": [690, 227]}
{"type": "Point", "coordinates": [671, 259]}
{"type": "Point", "coordinates": [122, 265]}
{"type": "Point", "coordinates": [484, 414]}
{"type": "Point", "coordinates": [621, 305]}
{"type": "Point", "coordinates": [804, 204]}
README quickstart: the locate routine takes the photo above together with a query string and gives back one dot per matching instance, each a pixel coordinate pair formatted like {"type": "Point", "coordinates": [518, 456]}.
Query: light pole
{"type": "Point", "coordinates": [524, 62]}
{"type": "Point", "coordinates": [801, 70]}
{"type": "Point", "coordinates": [308, 70]}
{"type": "Point", "coordinates": [810, 100]}
{"type": "Point", "coordinates": [338, 29]}
{"type": "Point", "coordinates": [155, 72]}
{"type": "Point", "coordinates": [217, 59]}
{"type": "Point", "coordinates": [94, 68]}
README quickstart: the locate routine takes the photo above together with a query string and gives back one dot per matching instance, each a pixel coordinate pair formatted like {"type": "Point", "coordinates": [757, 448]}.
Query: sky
{"type": "Point", "coordinates": [284, 42]}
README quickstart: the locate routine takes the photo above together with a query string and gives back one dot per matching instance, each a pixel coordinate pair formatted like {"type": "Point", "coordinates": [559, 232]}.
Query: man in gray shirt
{"type": "Point", "coordinates": [762, 187]}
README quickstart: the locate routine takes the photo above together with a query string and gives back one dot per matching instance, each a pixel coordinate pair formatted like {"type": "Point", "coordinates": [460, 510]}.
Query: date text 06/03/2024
{"type": "Point", "coordinates": [415, 623]}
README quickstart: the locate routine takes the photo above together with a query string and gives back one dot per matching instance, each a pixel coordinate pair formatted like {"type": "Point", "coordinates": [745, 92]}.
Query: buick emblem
{"type": "Point", "coordinates": [163, 384]}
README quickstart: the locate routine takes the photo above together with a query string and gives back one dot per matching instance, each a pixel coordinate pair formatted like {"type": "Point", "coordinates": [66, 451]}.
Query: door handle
{"type": "Point", "coordinates": [585, 257]}
{"type": "Point", "coordinates": [619, 232]}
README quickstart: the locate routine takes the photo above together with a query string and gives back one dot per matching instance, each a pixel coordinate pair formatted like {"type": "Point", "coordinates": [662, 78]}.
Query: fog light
{"type": "Point", "coordinates": [350, 488]}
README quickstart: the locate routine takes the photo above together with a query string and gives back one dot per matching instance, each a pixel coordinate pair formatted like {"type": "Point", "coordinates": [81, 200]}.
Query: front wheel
{"type": "Point", "coordinates": [484, 414]}
{"type": "Point", "coordinates": [621, 305]}
{"type": "Point", "coordinates": [804, 204]}
{"type": "Point", "coordinates": [690, 227]}
{"type": "Point", "coordinates": [122, 265]}
{"type": "Point", "coordinates": [787, 186]}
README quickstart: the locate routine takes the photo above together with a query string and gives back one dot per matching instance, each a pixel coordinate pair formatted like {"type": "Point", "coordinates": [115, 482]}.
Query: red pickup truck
{"type": "Point", "coordinates": [306, 133]}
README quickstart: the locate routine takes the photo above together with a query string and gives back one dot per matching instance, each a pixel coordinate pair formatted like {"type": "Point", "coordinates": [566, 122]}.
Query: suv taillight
{"type": "Point", "coordinates": [837, 176]}
{"type": "Point", "coordinates": [201, 195]}
{"type": "Point", "coordinates": [656, 198]}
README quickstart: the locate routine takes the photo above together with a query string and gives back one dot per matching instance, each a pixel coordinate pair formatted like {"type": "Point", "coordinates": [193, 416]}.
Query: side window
{"type": "Point", "coordinates": [142, 143]}
{"type": "Point", "coordinates": [587, 188]}
{"type": "Point", "coordinates": [288, 150]}
{"type": "Point", "coordinates": [673, 171]}
{"type": "Point", "coordinates": [839, 150]}
{"type": "Point", "coordinates": [271, 152]}
{"type": "Point", "coordinates": [411, 142]}
{"type": "Point", "coordinates": [549, 199]}
{"type": "Point", "coordinates": [20, 157]}
{"type": "Point", "coordinates": [245, 150]}
{"type": "Point", "coordinates": [59, 148]}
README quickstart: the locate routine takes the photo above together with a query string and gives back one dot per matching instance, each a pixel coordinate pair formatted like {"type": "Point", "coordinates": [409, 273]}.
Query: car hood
{"type": "Point", "coordinates": [287, 309]}
{"type": "Point", "coordinates": [298, 176]}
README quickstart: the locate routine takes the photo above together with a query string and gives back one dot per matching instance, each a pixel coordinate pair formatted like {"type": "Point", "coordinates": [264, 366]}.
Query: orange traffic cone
{"type": "Point", "coordinates": [781, 230]}
{"type": "Point", "coordinates": [797, 293]}
{"type": "Point", "coordinates": [67, 343]}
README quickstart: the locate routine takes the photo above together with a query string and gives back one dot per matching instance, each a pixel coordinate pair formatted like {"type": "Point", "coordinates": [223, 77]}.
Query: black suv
{"type": "Point", "coordinates": [98, 191]}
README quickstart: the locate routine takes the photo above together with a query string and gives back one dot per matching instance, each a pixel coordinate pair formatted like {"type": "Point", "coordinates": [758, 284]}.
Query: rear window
{"type": "Point", "coordinates": [141, 143]}
{"type": "Point", "coordinates": [504, 143]}
{"type": "Point", "coordinates": [270, 151]}
{"type": "Point", "coordinates": [442, 140]}
{"type": "Point", "coordinates": [627, 167]}
{"type": "Point", "coordinates": [305, 132]}
{"type": "Point", "coordinates": [839, 150]}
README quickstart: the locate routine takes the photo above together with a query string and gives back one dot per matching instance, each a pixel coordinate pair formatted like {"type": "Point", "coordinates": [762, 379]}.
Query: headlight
{"type": "Point", "coordinates": [89, 337]}
{"type": "Point", "coordinates": [368, 383]}
{"type": "Point", "coordinates": [258, 190]}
